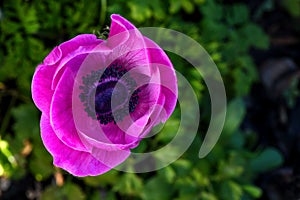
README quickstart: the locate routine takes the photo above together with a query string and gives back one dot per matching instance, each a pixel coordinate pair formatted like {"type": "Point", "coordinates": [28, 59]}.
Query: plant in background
{"type": "Point", "coordinates": [227, 32]}
{"type": "Point", "coordinates": [8, 162]}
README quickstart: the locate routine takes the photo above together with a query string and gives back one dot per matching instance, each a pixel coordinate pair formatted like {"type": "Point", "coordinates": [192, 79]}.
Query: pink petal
{"type": "Point", "coordinates": [61, 115]}
{"type": "Point", "coordinates": [167, 76]}
{"type": "Point", "coordinates": [133, 125]}
{"type": "Point", "coordinates": [119, 25]}
{"type": "Point", "coordinates": [76, 42]}
{"type": "Point", "coordinates": [43, 80]}
{"type": "Point", "coordinates": [53, 57]}
{"type": "Point", "coordinates": [124, 38]}
{"type": "Point", "coordinates": [170, 104]}
{"type": "Point", "coordinates": [158, 113]}
{"type": "Point", "coordinates": [90, 132]}
{"type": "Point", "coordinates": [141, 127]}
{"type": "Point", "coordinates": [110, 138]}
{"type": "Point", "coordinates": [149, 85]}
{"type": "Point", "coordinates": [41, 87]}
{"type": "Point", "coordinates": [76, 162]}
{"type": "Point", "coordinates": [149, 95]}
{"type": "Point", "coordinates": [81, 44]}
{"type": "Point", "coordinates": [93, 134]}
{"type": "Point", "coordinates": [118, 136]}
{"type": "Point", "coordinates": [147, 98]}
{"type": "Point", "coordinates": [69, 46]}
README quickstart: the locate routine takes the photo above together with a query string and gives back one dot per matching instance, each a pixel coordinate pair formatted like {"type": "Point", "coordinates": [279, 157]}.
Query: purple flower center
{"type": "Point", "coordinates": [104, 94]}
{"type": "Point", "coordinates": [114, 98]}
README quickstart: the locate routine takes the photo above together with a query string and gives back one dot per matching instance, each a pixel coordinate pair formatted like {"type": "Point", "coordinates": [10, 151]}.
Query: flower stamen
{"type": "Point", "coordinates": [107, 89]}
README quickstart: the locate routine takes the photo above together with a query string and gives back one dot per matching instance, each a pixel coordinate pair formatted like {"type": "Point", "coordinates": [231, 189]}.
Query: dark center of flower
{"type": "Point", "coordinates": [104, 94]}
{"type": "Point", "coordinates": [114, 98]}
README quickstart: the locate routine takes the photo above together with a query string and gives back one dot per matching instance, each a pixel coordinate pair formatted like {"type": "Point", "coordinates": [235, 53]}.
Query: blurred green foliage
{"type": "Point", "coordinates": [293, 7]}
{"type": "Point", "coordinates": [30, 29]}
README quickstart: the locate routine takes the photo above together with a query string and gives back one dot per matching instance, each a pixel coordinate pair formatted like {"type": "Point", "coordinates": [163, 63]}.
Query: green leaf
{"type": "Point", "coordinates": [200, 178]}
{"type": "Point", "coordinates": [182, 167]}
{"type": "Point", "coordinates": [242, 80]}
{"type": "Point", "coordinates": [188, 197]}
{"type": "Point", "coordinates": [229, 170]}
{"type": "Point", "coordinates": [234, 116]}
{"type": "Point", "coordinates": [129, 184]}
{"type": "Point", "coordinates": [169, 130]}
{"type": "Point", "coordinates": [109, 178]}
{"type": "Point", "coordinates": [255, 36]}
{"type": "Point", "coordinates": [187, 186]}
{"type": "Point", "coordinates": [37, 51]}
{"type": "Point", "coordinates": [268, 159]}
{"type": "Point", "coordinates": [174, 6]}
{"type": "Point", "coordinates": [207, 196]}
{"type": "Point", "coordinates": [29, 20]}
{"type": "Point", "coordinates": [167, 173]}
{"type": "Point", "coordinates": [292, 6]}
{"type": "Point", "coordinates": [68, 191]}
{"type": "Point", "coordinates": [166, 155]}
{"type": "Point", "coordinates": [237, 140]}
{"type": "Point", "coordinates": [158, 9]}
{"type": "Point", "coordinates": [236, 14]}
{"type": "Point", "coordinates": [230, 190]}
{"type": "Point", "coordinates": [27, 121]}
{"type": "Point", "coordinates": [212, 11]}
{"type": "Point", "coordinates": [253, 191]}
{"type": "Point", "coordinates": [139, 10]}
{"type": "Point", "coordinates": [187, 6]}
{"type": "Point", "coordinates": [157, 188]}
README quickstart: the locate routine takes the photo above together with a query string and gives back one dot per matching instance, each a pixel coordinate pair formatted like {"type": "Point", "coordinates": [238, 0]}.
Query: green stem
{"type": "Point", "coordinates": [103, 12]}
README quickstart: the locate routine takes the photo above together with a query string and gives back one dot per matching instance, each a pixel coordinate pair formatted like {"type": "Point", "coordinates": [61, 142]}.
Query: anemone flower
{"type": "Point", "coordinates": [99, 98]}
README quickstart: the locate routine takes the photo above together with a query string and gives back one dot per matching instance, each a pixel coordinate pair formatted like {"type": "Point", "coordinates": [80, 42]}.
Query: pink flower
{"type": "Point", "coordinates": [99, 98]}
